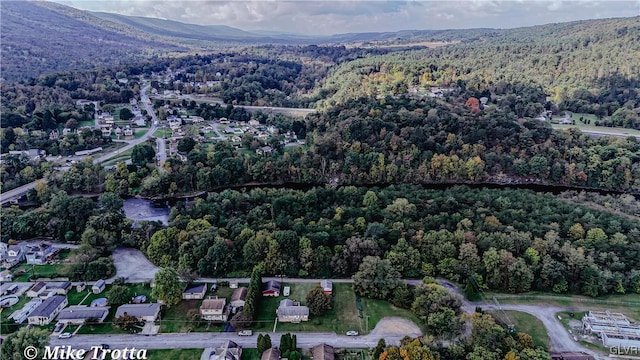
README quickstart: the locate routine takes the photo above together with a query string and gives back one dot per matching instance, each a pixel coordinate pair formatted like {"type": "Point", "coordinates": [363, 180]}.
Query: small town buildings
{"type": "Point", "coordinates": [81, 286]}
{"type": "Point", "coordinates": [265, 150]}
{"type": "Point", "coordinates": [5, 275]}
{"type": "Point", "coordinates": [327, 286]}
{"type": "Point", "coordinates": [271, 288]}
{"type": "Point", "coordinates": [194, 292]}
{"type": "Point", "coordinates": [238, 297]}
{"type": "Point", "coordinates": [15, 254]}
{"type": "Point", "coordinates": [214, 309]}
{"type": "Point", "coordinates": [291, 311]}
{"type": "Point", "coordinates": [56, 288]}
{"type": "Point", "coordinates": [323, 352]}
{"type": "Point", "coordinates": [106, 131]}
{"type": "Point", "coordinates": [21, 315]}
{"type": "Point", "coordinates": [227, 351]}
{"type": "Point", "coordinates": [79, 314]}
{"type": "Point", "coordinates": [39, 254]}
{"type": "Point", "coordinates": [36, 289]}
{"type": "Point", "coordinates": [98, 287]}
{"type": "Point", "coordinates": [144, 312]}
{"type": "Point", "coordinates": [128, 132]}
{"type": "Point", "coordinates": [47, 311]}
{"type": "Point", "coordinates": [271, 354]}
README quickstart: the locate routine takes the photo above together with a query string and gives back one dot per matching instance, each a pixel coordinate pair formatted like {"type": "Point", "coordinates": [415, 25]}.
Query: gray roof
{"type": "Point", "coordinates": [48, 306]}
{"type": "Point", "coordinates": [99, 283]}
{"type": "Point", "coordinates": [196, 289]}
{"type": "Point", "coordinates": [272, 285]}
{"type": "Point", "coordinates": [38, 286]}
{"type": "Point", "coordinates": [82, 312]}
{"type": "Point", "coordinates": [323, 352]}
{"type": "Point", "coordinates": [139, 310]}
{"type": "Point", "coordinates": [239, 294]}
{"type": "Point", "coordinates": [290, 308]}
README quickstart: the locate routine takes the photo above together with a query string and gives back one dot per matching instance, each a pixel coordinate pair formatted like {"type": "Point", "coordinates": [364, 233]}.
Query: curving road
{"type": "Point", "coordinates": [20, 191]}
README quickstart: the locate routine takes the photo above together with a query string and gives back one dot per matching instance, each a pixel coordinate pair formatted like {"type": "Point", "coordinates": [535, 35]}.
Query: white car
{"type": "Point", "coordinates": [352, 333]}
{"type": "Point", "coordinates": [245, 332]}
{"type": "Point", "coordinates": [65, 335]}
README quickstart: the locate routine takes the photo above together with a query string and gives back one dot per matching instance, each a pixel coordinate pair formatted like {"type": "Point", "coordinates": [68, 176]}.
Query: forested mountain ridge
{"type": "Point", "coordinates": [44, 37]}
{"type": "Point", "coordinates": [585, 66]}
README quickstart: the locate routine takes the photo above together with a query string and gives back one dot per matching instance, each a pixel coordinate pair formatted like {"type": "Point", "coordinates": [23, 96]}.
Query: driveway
{"type": "Point", "coordinates": [132, 265]}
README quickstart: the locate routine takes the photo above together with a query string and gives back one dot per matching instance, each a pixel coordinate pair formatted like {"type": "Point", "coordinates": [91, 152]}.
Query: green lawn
{"type": "Point", "coordinates": [628, 304]}
{"type": "Point", "coordinates": [531, 325]}
{"type": "Point", "coordinates": [174, 319]}
{"type": "Point", "coordinates": [591, 127]}
{"type": "Point", "coordinates": [6, 312]}
{"type": "Point", "coordinates": [377, 309]}
{"type": "Point", "coordinates": [23, 272]}
{"type": "Point", "coordinates": [342, 317]}
{"type": "Point", "coordinates": [164, 132]}
{"type": "Point", "coordinates": [176, 354]}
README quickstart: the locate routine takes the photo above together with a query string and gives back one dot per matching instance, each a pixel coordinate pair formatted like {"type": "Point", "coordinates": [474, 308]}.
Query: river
{"type": "Point", "coordinates": [146, 210]}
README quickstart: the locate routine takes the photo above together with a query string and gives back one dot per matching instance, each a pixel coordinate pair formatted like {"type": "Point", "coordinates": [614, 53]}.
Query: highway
{"type": "Point", "coordinates": [20, 191]}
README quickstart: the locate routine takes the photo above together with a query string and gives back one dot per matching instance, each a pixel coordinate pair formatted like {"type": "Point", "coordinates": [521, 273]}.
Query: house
{"type": "Point", "coordinates": [118, 131]}
{"type": "Point", "coordinates": [214, 309]}
{"type": "Point", "coordinates": [6, 276]}
{"type": "Point", "coordinates": [327, 286]}
{"type": "Point", "coordinates": [45, 312]}
{"type": "Point", "coordinates": [238, 297]}
{"type": "Point", "coordinates": [271, 354]}
{"type": "Point", "coordinates": [98, 287]}
{"type": "Point", "coordinates": [128, 132]}
{"type": "Point", "coordinates": [39, 254]}
{"type": "Point", "coordinates": [15, 254]}
{"type": "Point", "coordinates": [36, 289]}
{"type": "Point", "coordinates": [265, 150]}
{"type": "Point", "coordinates": [323, 352]}
{"type": "Point", "coordinates": [144, 312]}
{"type": "Point", "coordinates": [79, 314]}
{"type": "Point", "coordinates": [195, 292]}
{"type": "Point", "coordinates": [139, 121]}
{"type": "Point", "coordinates": [291, 311]}
{"type": "Point", "coordinates": [106, 132]}
{"type": "Point", "coordinates": [227, 351]}
{"type": "Point", "coordinates": [271, 288]}
{"type": "Point", "coordinates": [58, 288]}
{"type": "Point", "coordinates": [21, 315]}
{"type": "Point", "coordinates": [3, 250]}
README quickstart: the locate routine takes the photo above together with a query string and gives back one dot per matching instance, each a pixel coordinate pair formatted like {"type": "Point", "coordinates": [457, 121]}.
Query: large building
{"type": "Point", "coordinates": [45, 312]}
{"type": "Point", "coordinates": [614, 329]}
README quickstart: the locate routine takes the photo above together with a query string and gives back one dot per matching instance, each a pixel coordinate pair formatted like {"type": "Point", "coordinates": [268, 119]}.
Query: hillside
{"type": "Point", "coordinates": [45, 37]}
{"type": "Point", "coordinates": [587, 62]}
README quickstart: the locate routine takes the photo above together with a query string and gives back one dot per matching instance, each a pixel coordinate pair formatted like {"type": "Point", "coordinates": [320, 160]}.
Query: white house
{"type": "Point", "coordinates": [194, 292]}
{"type": "Point", "coordinates": [214, 309]}
{"type": "Point", "coordinates": [48, 310]}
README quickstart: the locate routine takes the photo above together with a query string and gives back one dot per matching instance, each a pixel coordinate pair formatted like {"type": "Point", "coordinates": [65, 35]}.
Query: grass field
{"type": "Point", "coordinates": [175, 354]}
{"type": "Point", "coordinates": [174, 319]}
{"type": "Point", "coordinates": [531, 325]}
{"type": "Point", "coordinates": [23, 272]}
{"type": "Point", "coordinates": [122, 156]}
{"type": "Point", "coordinates": [591, 127]}
{"type": "Point", "coordinates": [342, 317]}
{"type": "Point", "coordinates": [628, 304]}
{"type": "Point", "coordinates": [164, 132]}
{"type": "Point", "coordinates": [377, 309]}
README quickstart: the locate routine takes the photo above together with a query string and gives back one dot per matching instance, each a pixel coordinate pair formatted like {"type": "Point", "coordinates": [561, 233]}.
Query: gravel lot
{"type": "Point", "coordinates": [133, 265]}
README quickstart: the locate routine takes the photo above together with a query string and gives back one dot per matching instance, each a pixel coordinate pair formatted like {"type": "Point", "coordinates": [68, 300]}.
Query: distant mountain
{"type": "Point", "coordinates": [43, 37]}
{"type": "Point", "coordinates": [178, 29]}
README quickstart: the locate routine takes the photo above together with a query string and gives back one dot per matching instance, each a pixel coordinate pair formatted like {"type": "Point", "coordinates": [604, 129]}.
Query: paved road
{"type": "Point", "coordinates": [204, 340]}
{"type": "Point", "coordinates": [20, 191]}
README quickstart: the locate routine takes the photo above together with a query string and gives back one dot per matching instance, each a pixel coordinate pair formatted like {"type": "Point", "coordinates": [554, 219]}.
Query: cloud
{"type": "Point", "coordinates": [330, 17]}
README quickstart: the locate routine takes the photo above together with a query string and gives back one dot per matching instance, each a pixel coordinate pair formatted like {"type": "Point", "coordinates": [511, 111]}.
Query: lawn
{"type": "Point", "coordinates": [23, 272]}
{"type": "Point", "coordinates": [628, 304]}
{"type": "Point", "coordinates": [174, 319]}
{"type": "Point", "coordinates": [591, 127]}
{"type": "Point", "coordinates": [377, 309]}
{"type": "Point", "coordinates": [121, 156]}
{"type": "Point", "coordinates": [164, 132]}
{"type": "Point", "coordinates": [6, 312]}
{"type": "Point", "coordinates": [176, 354]}
{"type": "Point", "coordinates": [342, 317]}
{"type": "Point", "coordinates": [531, 325]}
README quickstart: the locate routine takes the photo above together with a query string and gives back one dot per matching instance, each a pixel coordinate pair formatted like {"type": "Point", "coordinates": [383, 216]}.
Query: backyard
{"type": "Point", "coordinates": [174, 319]}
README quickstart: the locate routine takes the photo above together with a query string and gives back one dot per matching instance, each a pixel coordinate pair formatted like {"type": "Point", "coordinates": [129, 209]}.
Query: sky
{"type": "Point", "coordinates": [313, 17]}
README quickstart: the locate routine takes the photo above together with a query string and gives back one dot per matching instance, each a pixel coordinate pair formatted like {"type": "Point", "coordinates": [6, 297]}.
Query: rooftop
{"type": "Point", "coordinates": [48, 306]}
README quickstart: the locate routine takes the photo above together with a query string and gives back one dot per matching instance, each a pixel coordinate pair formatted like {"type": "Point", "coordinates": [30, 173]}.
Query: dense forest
{"type": "Point", "coordinates": [586, 66]}
{"type": "Point", "coordinates": [507, 240]}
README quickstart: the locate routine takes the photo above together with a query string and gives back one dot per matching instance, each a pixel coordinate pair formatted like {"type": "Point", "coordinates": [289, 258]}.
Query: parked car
{"type": "Point", "coordinates": [245, 332]}
{"type": "Point", "coordinates": [65, 335]}
{"type": "Point", "coordinates": [352, 333]}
